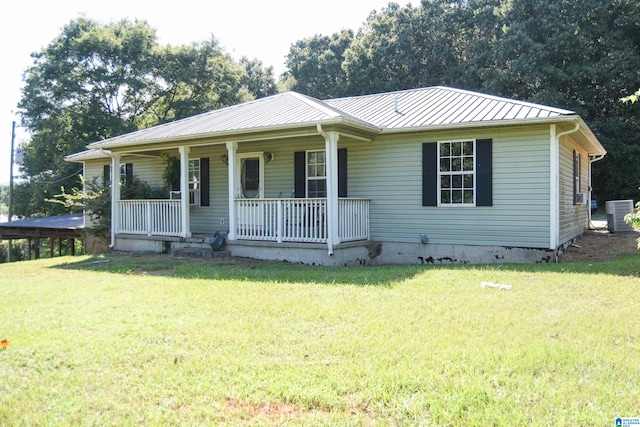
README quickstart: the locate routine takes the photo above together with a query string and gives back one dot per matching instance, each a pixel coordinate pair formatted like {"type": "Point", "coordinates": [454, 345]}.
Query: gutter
{"type": "Point", "coordinates": [592, 159]}
{"type": "Point", "coordinates": [554, 236]}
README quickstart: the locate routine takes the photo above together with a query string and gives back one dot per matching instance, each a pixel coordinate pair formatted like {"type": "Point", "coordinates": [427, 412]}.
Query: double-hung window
{"type": "Point", "coordinates": [457, 173]}
{"type": "Point", "coordinates": [316, 174]}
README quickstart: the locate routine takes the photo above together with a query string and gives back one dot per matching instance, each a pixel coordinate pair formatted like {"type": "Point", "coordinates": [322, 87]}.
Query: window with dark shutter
{"type": "Point", "coordinates": [301, 164]}
{"type": "Point", "coordinates": [457, 173]}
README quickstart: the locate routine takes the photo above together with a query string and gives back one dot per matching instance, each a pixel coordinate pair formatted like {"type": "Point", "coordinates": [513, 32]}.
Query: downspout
{"type": "Point", "coordinates": [113, 207]}
{"type": "Point", "coordinates": [330, 210]}
{"type": "Point", "coordinates": [592, 159]}
{"type": "Point", "coordinates": [555, 190]}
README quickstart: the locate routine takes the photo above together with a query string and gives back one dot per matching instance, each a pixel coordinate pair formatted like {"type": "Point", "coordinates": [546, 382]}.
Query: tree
{"type": "Point", "coordinates": [314, 65]}
{"type": "Point", "coordinates": [193, 79]}
{"type": "Point", "coordinates": [257, 79]}
{"type": "Point", "coordinates": [95, 81]}
{"type": "Point", "coordinates": [90, 83]}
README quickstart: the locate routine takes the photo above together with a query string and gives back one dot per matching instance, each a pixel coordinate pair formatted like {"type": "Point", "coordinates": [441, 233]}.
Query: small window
{"type": "Point", "coordinates": [194, 174]}
{"type": "Point", "coordinates": [457, 173]}
{"type": "Point", "coordinates": [126, 174]}
{"type": "Point", "coordinates": [316, 174]}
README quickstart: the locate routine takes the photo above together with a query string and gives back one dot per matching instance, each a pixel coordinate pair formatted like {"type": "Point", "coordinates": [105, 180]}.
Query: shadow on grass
{"type": "Point", "coordinates": [239, 269]}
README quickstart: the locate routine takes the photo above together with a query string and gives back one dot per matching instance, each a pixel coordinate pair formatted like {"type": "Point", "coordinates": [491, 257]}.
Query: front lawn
{"type": "Point", "coordinates": [153, 340]}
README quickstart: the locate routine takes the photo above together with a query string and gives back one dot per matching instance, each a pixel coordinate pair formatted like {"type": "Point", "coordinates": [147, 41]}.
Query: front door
{"type": "Point", "coordinates": [250, 176]}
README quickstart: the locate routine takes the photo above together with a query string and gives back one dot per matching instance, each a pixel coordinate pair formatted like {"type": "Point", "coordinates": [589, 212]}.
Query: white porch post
{"type": "Point", "coordinates": [185, 230]}
{"type": "Point", "coordinates": [115, 196]}
{"type": "Point", "coordinates": [331, 147]}
{"type": "Point", "coordinates": [232, 148]}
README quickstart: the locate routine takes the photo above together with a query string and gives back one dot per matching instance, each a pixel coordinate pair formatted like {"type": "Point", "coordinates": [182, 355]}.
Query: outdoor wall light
{"type": "Point", "coordinates": [225, 159]}
{"type": "Point", "coordinates": [268, 157]}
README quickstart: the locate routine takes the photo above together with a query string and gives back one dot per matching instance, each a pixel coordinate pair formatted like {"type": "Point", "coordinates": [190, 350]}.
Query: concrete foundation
{"type": "Point", "coordinates": [353, 253]}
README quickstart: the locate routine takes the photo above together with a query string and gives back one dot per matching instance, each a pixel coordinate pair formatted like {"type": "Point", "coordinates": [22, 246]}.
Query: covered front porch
{"type": "Point", "coordinates": [320, 218]}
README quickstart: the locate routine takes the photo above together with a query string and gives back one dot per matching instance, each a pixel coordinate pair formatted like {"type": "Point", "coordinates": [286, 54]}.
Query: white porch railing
{"type": "Point", "coordinates": [300, 220]}
{"type": "Point", "coordinates": [149, 217]}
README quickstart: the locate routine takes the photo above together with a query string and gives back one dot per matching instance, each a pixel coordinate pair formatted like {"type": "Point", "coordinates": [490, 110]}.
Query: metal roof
{"type": "Point", "coordinates": [402, 110]}
{"type": "Point", "coordinates": [86, 155]}
{"type": "Point", "coordinates": [277, 111]}
{"type": "Point", "coordinates": [63, 226]}
{"type": "Point", "coordinates": [438, 106]}
{"type": "Point", "coordinates": [69, 222]}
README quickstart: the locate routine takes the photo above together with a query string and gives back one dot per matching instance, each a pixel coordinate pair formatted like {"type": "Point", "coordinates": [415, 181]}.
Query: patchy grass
{"type": "Point", "coordinates": [152, 340]}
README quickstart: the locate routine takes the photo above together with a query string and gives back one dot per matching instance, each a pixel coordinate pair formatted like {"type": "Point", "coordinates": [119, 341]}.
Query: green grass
{"type": "Point", "coordinates": [138, 340]}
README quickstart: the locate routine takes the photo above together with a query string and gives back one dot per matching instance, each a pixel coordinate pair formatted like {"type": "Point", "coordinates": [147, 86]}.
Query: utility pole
{"type": "Point", "coordinates": [13, 139]}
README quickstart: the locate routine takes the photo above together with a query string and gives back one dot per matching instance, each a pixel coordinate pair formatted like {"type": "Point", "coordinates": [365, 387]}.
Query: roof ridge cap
{"type": "Point", "coordinates": [320, 105]}
{"type": "Point", "coordinates": [504, 99]}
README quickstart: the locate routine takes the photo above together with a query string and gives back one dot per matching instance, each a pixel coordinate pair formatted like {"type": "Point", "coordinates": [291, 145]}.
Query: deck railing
{"type": "Point", "coordinates": [149, 217]}
{"type": "Point", "coordinates": [300, 220]}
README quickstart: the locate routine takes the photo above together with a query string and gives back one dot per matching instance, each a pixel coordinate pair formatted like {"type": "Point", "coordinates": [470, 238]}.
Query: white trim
{"type": "Point", "coordinates": [232, 148]}
{"type": "Point", "coordinates": [554, 188]}
{"type": "Point", "coordinates": [315, 178]}
{"type": "Point", "coordinates": [474, 173]}
{"type": "Point", "coordinates": [331, 147]}
{"type": "Point", "coordinates": [184, 189]}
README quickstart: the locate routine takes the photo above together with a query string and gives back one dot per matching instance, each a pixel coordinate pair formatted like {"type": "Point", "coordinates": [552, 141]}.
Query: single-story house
{"type": "Point", "coordinates": [430, 175]}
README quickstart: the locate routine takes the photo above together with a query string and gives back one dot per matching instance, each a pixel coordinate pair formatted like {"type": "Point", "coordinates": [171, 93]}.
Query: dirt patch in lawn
{"type": "Point", "coordinates": [600, 245]}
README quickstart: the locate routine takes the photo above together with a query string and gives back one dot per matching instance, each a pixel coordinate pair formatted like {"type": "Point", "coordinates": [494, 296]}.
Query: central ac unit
{"type": "Point", "coordinates": [616, 211]}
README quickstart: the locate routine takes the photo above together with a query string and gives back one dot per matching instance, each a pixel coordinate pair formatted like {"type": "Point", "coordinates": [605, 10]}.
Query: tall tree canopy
{"type": "Point", "coordinates": [582, 55]}
{"type": "Point", "coordinates": [95, 81]}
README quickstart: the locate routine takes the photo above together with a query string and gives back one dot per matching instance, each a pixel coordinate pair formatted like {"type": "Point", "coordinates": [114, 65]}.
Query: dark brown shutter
{"type": "Point", "coordinates": [342, 172]}
{"type": "Point", "coordinates": [430, 174]}
{"type": "Point", "coordinates": [204, 181]}
{"type": "Point", "coordinates": [484, 171]}
{"type": "Point", "coordinates": [128, 172]}
{"type": "Point", "coordinates": [106, 175]}
{"type": "Point", "coordinates": [300, 174]}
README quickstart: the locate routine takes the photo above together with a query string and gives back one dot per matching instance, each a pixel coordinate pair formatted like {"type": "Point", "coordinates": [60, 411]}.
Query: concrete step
{"type": "Point", "coordinates": [199, 252]}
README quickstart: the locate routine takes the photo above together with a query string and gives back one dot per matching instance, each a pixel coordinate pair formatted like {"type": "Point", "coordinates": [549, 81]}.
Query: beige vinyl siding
{"type": "Point", "coordinates": [389, 172]}
{"type": "Point", "coordinates": [95, 169]}
{"type": "Point", "coordinates": [146, 168]}
{"type": "Point", "coordinates": [573, 218]}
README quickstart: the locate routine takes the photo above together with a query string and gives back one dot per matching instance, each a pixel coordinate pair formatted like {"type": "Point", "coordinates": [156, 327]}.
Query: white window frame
{"type": "Point", "coordinates": [452, 173]}
{"type": "Point", "coordinates": [194, 174]}
{"type": "Point", "coordinates": [316, 177]}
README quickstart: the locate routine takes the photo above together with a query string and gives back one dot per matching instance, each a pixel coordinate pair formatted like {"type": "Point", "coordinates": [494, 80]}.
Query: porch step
{"type": "Point", "coordinates": [199, 252]}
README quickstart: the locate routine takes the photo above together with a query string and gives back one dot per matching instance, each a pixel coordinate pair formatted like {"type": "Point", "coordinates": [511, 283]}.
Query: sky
{"type": "Point", "coordinates": [257, 29]}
